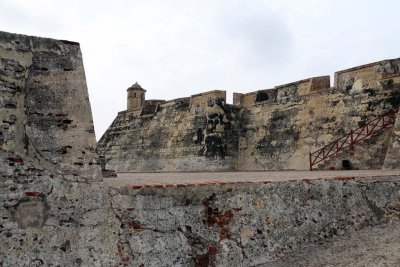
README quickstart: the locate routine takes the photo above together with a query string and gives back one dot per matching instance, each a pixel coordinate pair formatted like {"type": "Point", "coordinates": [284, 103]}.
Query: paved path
{"type": "Point", "coordinates": [372, 246]}
{"type": "Point", "coordinates": [193, 178]}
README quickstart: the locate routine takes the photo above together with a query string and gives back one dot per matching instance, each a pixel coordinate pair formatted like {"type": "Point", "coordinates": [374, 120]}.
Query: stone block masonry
{"type": "Point", "coordinates": [189, 134]}
{"type": "Point", "coordinates": [44, 106]}
{"type": "Point", "coordinates": [271, 129]}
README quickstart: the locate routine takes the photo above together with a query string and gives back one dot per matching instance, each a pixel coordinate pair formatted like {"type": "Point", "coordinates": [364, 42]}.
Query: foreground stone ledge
{"type": "Point", "coordinates": [245, 224]}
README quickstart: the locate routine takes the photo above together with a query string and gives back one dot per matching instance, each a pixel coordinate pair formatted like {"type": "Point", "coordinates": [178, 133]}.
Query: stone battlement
{"type": "Point", "coordinates": [370, 74]}
{"type": "Point", "coordinates": [269, 129]}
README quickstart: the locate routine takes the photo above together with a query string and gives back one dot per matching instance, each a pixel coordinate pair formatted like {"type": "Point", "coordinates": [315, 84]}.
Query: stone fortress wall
{"type": "Point", "coordinates": [182, 134]}
{"type": "Point", "coordinates": [56, 210]}
{"type": "Point", "coordinates": [271, 129]}
{"type": "Point", "coordinates": [49, 171]}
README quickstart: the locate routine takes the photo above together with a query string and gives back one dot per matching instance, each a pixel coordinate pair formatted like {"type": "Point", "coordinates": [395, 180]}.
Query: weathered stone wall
{"type": "Point", "coordinates": [244, 224]}
{"type": "Point", "coordinates": [393, 153]}
{"type": "Point", "coordinates": [49, 209]}
{"type": "Point", "coordinates": [191, 134]}
{"type": "Point", "coordinates": [280, 133]}
{"type": "Point", "coordinates": [44, 105]}
{"type": "Point", "coordinates": [273, 129]}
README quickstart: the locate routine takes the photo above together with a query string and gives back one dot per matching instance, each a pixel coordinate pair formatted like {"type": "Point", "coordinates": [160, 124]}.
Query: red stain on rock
{"type": "Point", "coordinates": [225, 233]}
{"type": "Point", "coordinates": [343, 178]}
{"type": "Point", "coordinates": [32, 194]}
{"type": "Point", "coordinates": [136, 186]}
{"type": "Point", "coordinates": [212, 250]}
{"type": "Point", "coordinates": [213, 216]}
{"type": "Point", "coordinates": [121, 254]}
{"type": "Point", "coordinates": [16, 160]}
{"type": "Point", "coordinates": [224, 218]}
{"type": "Point", "coordinates": [202, 260]}
{"type": "Point", "coordinates": [134, 225]}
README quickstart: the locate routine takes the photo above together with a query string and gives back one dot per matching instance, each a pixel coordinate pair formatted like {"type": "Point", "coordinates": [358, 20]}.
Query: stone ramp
{"type": "Point", "coordinates": [166, 179]}
{"type": "Point", "coordinates": [372, 246]}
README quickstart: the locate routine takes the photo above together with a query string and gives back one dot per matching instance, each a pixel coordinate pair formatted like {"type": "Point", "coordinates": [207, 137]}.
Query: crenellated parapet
{"type": "Point", "coordinates": [368, 76]}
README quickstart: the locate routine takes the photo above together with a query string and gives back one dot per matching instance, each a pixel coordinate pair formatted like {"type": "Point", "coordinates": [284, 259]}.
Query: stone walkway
{"type": "Point", "coordinates": [203, 178]}
{"type": "Point", "coordinates": [372, 246]}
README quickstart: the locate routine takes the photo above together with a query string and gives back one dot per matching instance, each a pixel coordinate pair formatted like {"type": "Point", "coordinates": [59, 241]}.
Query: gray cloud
{"type": "Point", "coordinates": [262, 35]}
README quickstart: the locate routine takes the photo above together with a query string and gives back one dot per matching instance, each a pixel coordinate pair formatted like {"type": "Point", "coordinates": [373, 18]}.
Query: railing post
{"type": "Point", "coordinates": [351, 141]}
{"type": "Point", "coordinates": [310, 162]}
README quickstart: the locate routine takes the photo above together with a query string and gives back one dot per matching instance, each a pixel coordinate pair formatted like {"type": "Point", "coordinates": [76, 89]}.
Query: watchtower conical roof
{"type": "Point", "coordinates": [136, 86]}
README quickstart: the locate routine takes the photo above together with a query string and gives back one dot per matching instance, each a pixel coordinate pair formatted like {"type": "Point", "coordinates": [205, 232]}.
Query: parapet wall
{"type": "Point", "coordinates": [244, 224]}
{"type": "Point", "coordinates": [237, 224]}
{"type": "Point", "coordinates": [280, 135]}
{"type": "Point", "coordinates": [282, 92]}
{"type": "Point", "coordinates": [367, 76]}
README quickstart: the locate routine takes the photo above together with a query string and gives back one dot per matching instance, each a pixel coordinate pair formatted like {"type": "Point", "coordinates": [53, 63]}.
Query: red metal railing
{"type": "Point", "coordinates": [349, 140]}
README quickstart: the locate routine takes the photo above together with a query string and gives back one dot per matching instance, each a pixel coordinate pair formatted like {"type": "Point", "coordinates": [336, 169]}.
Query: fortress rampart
{"type": "Point", "coordinates": [270, 129]}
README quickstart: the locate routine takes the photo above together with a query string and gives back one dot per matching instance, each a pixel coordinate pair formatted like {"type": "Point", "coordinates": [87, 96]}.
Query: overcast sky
{"type": "Point", "coordinates": [175, 48]}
